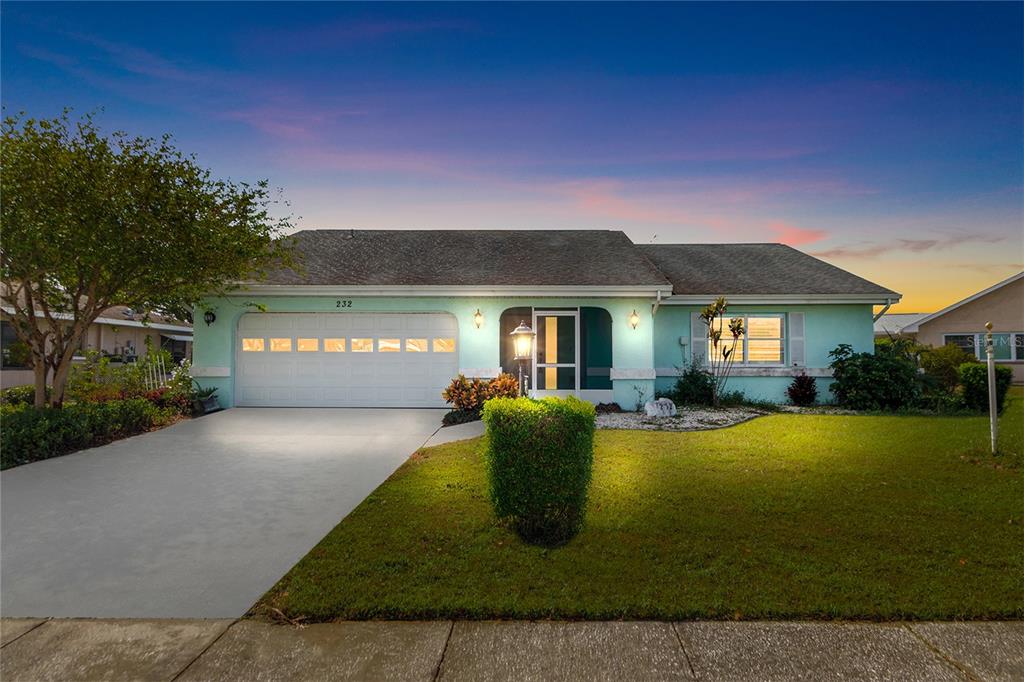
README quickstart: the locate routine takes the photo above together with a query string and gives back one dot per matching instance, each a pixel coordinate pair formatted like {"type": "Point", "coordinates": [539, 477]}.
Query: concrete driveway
{"type": "Point", "coordinates": [196, 520]}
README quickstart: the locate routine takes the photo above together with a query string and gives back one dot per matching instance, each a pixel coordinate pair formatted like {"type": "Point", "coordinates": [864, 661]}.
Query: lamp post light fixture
{"type": "Point", "coordinates": [478, 318]}
{"type": "Point", "coordinates": [209, 317]}
{"type": "Point", "coordinates": [522, 342]}
{"type": "Point", "coordinates": [634, 319]}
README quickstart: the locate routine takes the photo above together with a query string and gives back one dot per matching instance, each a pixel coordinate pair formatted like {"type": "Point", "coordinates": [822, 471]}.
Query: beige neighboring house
{"type": "Point", "coordinates": [118, 331]}
{"type": "Point", "coordinates": [963, 324]}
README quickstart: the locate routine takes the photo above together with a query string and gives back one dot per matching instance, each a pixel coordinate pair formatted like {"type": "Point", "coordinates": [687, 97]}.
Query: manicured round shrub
{"type": "Point", "coordinates": [974, 380]}
{"type": "Point", "coordinates": [540, 455]}
{"type": "Point", "coordinates": [803, 390]}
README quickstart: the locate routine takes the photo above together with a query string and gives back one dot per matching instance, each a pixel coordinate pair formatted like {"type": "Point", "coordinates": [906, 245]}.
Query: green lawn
{"type": "Point", "coordinates": [785, 516]}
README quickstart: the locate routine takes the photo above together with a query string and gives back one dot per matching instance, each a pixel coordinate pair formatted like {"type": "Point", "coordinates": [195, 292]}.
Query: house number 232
{"type": "Point", "coordinates": [344, 303]}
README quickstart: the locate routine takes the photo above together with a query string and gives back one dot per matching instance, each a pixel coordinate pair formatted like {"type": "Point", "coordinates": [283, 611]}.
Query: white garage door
{"type": "Point", "coordinates": [344, 359]}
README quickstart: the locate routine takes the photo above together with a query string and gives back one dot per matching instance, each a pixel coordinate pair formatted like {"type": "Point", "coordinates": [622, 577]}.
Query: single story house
{"type": "Point", "coordinates": [963, 324]}
{"type": "Point", "coordinates": [118, 331]}
{"type": "Point", "coordinates": [389, 317]}
{"type": "Point", "coordinates": [898, 324]}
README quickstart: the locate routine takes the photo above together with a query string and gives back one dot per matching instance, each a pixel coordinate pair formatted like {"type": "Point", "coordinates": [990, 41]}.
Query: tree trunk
{"type": "Point", "coordinates": [60, 378]}
{"type": "Point", "coordinates": [39, 372]}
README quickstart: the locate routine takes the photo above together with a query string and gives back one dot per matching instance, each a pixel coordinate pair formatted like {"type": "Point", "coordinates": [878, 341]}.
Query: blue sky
{"type": "Point", "coordinates": [885, 138]}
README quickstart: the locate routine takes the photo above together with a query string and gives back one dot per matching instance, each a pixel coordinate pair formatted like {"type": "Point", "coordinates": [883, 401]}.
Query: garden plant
{"type": "Point", "coordinates": [539, 464]}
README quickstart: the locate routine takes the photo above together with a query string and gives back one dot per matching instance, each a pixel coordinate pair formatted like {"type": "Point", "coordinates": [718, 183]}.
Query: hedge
{"type": "Point", "coordinates": [30, 435]}
{"type": "Point", "coordinates": [540, 455]}
{"type": "Point", "coordinates": [974, 380]}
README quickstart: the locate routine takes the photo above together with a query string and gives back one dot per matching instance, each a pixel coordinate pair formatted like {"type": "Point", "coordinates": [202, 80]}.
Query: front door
{"type": "Point", "coordinates": [556, 353]}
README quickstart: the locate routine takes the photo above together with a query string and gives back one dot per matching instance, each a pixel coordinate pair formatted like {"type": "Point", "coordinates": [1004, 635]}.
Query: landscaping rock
{"type": "Point", "coordinates": [662, 407]}
{"type": "Point", "coordinates": [695, 419]}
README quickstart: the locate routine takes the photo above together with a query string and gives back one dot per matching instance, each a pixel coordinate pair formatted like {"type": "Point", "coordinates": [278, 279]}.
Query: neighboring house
{"type": "Point", "coordinates": [897, 324]}
{"type": "Point", "coordinates": [963, 324]}
{"type": "Point", "coordinates": [387, 318]}
{"type": "Point", "coordinates": [118, 331]}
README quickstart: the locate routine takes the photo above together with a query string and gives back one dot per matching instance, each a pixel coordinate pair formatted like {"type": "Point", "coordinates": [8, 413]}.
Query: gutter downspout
{"type": "Point", "coordinates": [888, 304]}
{"type": "Point", "coordinates": [656, 305]}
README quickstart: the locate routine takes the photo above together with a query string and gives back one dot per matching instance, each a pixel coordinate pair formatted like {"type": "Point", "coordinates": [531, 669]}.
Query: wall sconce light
{"type": "Point", "coordinates": [634, 319]}
{"type": "Point", "coordinates": [478, 319]}
{"type": "Point", "coordinates": [209, 317]}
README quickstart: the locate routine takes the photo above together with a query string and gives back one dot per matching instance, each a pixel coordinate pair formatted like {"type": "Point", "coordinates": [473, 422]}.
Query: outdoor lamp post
{"type": "Point", "coordinates": [522, 340]}
{"type": "Point", "coordinates": [993, 418]}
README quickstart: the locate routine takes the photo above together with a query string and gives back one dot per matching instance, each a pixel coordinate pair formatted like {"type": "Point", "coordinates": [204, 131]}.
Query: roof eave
{"type": "Point", "coordinates": [477, 291]}
{"type": "Point", "coordinates": [792, 299]}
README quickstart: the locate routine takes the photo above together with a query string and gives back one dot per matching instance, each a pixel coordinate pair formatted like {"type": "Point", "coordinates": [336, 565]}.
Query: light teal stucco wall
{"type": "Point", "coordinates": [825, 327]}
{"type": "Point", "coordinates": [214, 346]}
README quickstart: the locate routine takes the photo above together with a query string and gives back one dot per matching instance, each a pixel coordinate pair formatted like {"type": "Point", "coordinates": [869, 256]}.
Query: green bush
{"type": "Point", "coordinates": [695, 386]}
{"type": "Point", "coordinates": [873, 381]}
{"type": "Point", "coordinates": [30, 435]}
{"type": "Point", "coordinates": [20, 395]}
{"type": "Point", "coordinates": [974, 380]}
{"type": "Point", "coordinates": [540, 455]}
{"type": "Point", "coordinates": [943, 364]}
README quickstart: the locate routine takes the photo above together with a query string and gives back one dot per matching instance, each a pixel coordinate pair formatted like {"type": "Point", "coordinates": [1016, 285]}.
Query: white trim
{"type": "Point", "coordinates": [1009, 280]}
{"type": "Point", "coordinates": [638, 373]}
{"type": "Point", "coordinates": [480, 372]}
{"type": "Point", "coordinates": [789, 299]}
{"type": "Point", "coordinates": [198, 371]}
{"type": "Point", "coordinates": [759, 371]}
{"type": "Point", "coordinates": [631, 291]}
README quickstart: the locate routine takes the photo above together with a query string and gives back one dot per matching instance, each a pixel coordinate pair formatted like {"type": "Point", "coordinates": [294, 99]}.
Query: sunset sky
{"type": "Point", "coordinates": [886, 139]}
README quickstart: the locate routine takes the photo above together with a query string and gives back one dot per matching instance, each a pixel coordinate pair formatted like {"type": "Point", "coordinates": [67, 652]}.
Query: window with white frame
{"type": "Point", "coordinates": [1005, 345]}
{"type": "Point", "coordinates": [763, 341]}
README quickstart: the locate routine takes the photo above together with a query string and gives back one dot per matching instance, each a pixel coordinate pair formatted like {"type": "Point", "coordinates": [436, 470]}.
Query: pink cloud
{"type": "Point", "coordinates": [795, 236]}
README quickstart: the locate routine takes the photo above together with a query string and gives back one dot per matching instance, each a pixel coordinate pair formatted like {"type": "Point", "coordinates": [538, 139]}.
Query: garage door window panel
{"type": "Point", "coordinates": [334, 345]}
{"type": "Point", "coordinates": [415, 345]}
{"type": "Point", "coordinates": [389, 345]}
{"type": "Point", "coordinates": [362, 345]}
{"type": "Point", "coordinates": [252, 345]}
{"type": "Point", "coordinates": [307, 345]}
{"type": "Point", "coordinates": [444, 345]}
{"type": "Point", "coordinates": [280, 345]}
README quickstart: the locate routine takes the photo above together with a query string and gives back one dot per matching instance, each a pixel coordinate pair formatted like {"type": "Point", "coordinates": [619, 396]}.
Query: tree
{"type": "Point", "coordinates": [88, 221]}
{"type": "Point", "coordinates": [723, 353]}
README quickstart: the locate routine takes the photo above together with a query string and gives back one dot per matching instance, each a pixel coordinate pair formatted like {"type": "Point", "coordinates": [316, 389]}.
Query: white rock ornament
{"type": "Point", "coordinates": [662, 407]}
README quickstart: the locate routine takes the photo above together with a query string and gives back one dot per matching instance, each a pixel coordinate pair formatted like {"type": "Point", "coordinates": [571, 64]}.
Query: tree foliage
{"type": "Point", "coordinates": [89, 221]}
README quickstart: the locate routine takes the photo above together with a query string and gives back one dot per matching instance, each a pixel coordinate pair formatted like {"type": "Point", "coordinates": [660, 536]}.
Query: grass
{"type": "Point", "coordinates": [787, 516]}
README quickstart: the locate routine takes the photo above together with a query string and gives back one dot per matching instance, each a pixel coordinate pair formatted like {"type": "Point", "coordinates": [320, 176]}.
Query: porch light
{"type": "Point", "coordinates": [522, 338]}
{"type": "Point", "coordinates": [209, 317]}
{"type": "Point", "coordinates": [478, 319]}
{"type": "Point", "coordinates": [634, 319]}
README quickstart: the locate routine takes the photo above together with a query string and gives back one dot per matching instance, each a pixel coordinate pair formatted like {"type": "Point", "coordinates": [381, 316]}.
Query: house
{"type": "Point", "coordinates": [897, 324]}
{"type": "Point", "coordinates": [119, 332]}
{"type": "Point", "coordinates": [387, 318]}
{"type": "Point", "coordinates": [963, 324]}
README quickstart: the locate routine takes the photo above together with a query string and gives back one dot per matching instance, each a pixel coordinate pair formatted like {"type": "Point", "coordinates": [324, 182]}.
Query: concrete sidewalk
{"type": "Point", "coordinates": [516, 650]}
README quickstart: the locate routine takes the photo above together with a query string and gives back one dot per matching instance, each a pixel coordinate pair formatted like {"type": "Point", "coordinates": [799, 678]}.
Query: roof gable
{"type": "Point", "coordinates": [969, 299]}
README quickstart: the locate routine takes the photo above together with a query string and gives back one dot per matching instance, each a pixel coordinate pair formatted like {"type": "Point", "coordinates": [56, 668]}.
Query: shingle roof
{"type": "Point", "coordinates": [469, 258]}
{"type": "Point", "coordinates": [753, 269]}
